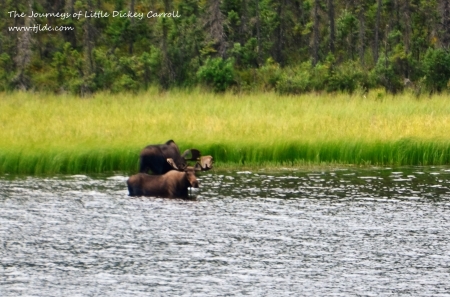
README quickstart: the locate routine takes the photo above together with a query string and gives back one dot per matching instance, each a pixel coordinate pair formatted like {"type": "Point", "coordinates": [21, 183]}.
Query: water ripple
{"type": "Point", "coordinates": [342, 232]}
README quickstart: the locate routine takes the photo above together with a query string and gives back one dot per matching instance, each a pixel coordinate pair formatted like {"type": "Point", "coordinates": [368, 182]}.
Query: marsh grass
{"type": "Point", "coordinates": [64, 134]}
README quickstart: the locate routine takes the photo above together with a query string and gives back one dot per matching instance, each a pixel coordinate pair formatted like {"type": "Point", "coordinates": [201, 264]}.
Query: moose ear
{"type": "Point", "coordinates": [191, 154]}
{"type": "Point", "coordinates": [172, 163]}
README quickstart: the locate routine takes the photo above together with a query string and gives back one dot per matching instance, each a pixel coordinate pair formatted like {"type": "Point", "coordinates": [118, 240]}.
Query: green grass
{"type": "Point", "coordinates": [42, 133]}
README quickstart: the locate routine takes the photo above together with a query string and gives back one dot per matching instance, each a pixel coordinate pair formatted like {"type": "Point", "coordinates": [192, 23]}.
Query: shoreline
{"type": "Point", "coordinates": [100, 160]}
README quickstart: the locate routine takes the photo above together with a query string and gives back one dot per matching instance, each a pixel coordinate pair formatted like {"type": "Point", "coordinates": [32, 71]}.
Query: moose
{"type": "Point", "coordinates": [155, 157]}
{"type": "Point", "coordinates": [173, 184]}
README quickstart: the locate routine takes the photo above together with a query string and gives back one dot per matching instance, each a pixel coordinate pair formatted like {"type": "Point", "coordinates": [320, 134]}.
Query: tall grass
{"type": "Point", "coordinates": [64, 134]}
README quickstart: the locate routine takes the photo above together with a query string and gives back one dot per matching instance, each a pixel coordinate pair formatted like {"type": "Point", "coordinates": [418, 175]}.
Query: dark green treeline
{"type": "Point", "coordinates": [290, 46]}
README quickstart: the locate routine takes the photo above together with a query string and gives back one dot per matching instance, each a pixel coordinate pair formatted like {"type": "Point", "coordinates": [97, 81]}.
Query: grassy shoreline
{"type": "Point", "coordinates": [64, 134]}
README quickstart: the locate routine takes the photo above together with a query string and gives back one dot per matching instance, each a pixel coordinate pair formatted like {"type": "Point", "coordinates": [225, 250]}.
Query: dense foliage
{"type": "Point", "coordinates": [290, 46]}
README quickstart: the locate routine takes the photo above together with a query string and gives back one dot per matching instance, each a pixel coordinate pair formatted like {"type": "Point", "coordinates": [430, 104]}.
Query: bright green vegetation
{"type": "Point", "coordinates": [65, 134]}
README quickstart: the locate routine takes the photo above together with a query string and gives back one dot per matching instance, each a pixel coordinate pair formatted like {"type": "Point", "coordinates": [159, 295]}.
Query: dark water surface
{"type": "Point", "coordinates": [343, 232]}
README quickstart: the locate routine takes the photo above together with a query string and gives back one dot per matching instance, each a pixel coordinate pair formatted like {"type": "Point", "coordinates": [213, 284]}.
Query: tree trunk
{"type": "Point", "coordinates": [131, 41]}
{"type": "Point", "coordinates": [70, 34]}
{"type": "Point", "coordinates": [315, 40]}
{"type": "Point", "coordinates": [24, 53]}
{"type": "Point", "coordinates": [377, 32]}
{"type": "Point", "coordinates": [243, 28]}
{"type": "Point", "coordinates": [258, 33]}
{"type": "Point", "coordinates": [88, 44]}
{"type": "Point", "coordinates": [362, 33]}
{"type": "Point", "coordinates": [332, 25]}
{"type": "Point", "coordinates": [167, 74]}
{"type": "Point", "coordinates": [408, 29]}
{"type": "Point", "coordinates": [279, 37]}
{"type": "Point", "coordinates": [215, 23]}
{"type": "Point", "coordinates": [445, 23]}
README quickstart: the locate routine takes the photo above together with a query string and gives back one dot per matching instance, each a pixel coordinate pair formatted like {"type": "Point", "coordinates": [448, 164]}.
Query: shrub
{"type": "Point", "coordinates": [6, 71]}
{"type": "Point", "coordinates": [436, 65]}
{"type": "Point", "coordinates": [293, 85]}
{"type": "Point", "coordinates": [217, 73]}
{"type": "Point", "coordinates": [347, 78]}
{"type": "Point", "coordinates": [125, 83]}
{"type": "Point", "coordinates": [269, 75]}
{"type": "Point", "coordinates": [385, 74]}
{"type": "Point", "coordinates": [302, 79]}
{"type": "Point", "coordinates": [319, 75]}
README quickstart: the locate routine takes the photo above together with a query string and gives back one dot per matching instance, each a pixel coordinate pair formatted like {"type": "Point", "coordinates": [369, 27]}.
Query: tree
{"type": "Point", "coordinates": [315, 38]}
{"type": "Point", "coordinates": [362, 32]}
{"type": "Point", "coordinates": [214, 25]}
{"type": "Point", "coordinates": [377, 32]}
{"type": "Point", "coordinates": [24, 53]}
{"type": "Point", "coordinates": [88, 45]}
{"type": "Point", "coordinates": [332, 25]}
{"type": "Point", "coordinates": [445, 29]}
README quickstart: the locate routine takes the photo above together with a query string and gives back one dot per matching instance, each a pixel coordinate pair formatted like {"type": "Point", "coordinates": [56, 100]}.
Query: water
{"type": "Point", "coordinates": [341, 232]}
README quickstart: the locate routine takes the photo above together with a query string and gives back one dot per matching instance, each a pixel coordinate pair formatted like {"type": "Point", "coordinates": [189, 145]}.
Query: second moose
{"type": "Point", "coordinates": [155, 157]}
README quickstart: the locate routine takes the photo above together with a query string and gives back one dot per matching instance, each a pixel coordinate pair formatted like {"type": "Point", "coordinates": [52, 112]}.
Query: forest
{"type": "Point", "coordinates": [290, 46]}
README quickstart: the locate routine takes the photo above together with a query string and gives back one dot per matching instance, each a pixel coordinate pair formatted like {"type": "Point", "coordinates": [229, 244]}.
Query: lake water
{"type": "Point", "coordinates": [340, 232]}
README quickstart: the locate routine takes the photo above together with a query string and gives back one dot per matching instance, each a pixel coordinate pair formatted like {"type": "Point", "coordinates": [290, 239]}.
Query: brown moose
{"type": "Point", "coordinates": [173, 184]}
{"type": "Point", "coordinates": [154, 157]}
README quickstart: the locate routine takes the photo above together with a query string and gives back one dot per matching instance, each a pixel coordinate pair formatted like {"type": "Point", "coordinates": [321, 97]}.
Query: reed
{"type": "Point", "coordinates": [64, 134]}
